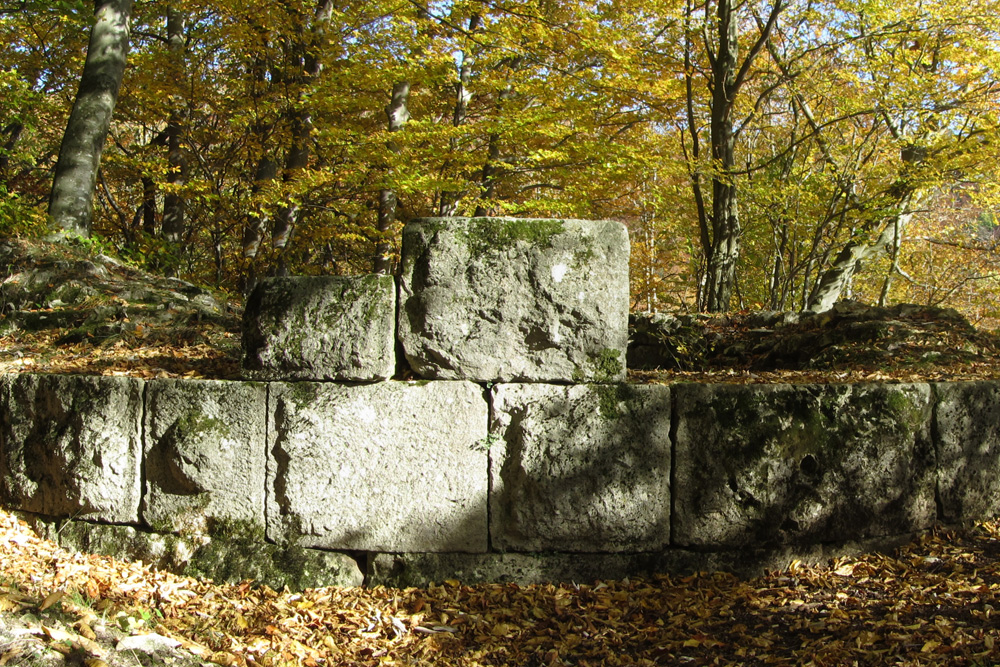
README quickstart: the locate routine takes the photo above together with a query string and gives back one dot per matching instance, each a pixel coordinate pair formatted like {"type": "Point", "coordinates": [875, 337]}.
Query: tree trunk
{"type": "Point", "coordinates": [253, 233]}
{"type": "Point", "coordinates": [71, 204]}
{"type": "Point", "coordinates": [296, 160]}
{"type": "Point", "coordinates": [397, 114]}
{"type": "Point", "coordinates": [148, 207]}
{"type": "Point", "coordinates": [305, 59]}
{"type": "Point", "coordinates": [173, 203]}
{"type": "Point", "coordinates": [450, 198]}
{"type": "Point", "coordinates": [835, 280]}
{"type": "Point", "coordinates": [492, 168]}
{"type": "Point", "coordinates": [13, 132]}
{"type": "Point", "coordinates": [721, 265]}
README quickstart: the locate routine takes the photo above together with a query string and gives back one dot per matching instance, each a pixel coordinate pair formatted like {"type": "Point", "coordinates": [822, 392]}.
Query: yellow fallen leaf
{"type": "Point", "coordinates": [929, 646]}
{"type": "Point", "coordinates": [845, 570]}
{"type": "Point", "coordinates": [85, 630]}
{"type": "Point", "coordinates": [57, 635]}
{"type": "Point", "coordinates": [51, 599]}
{"type": "Point", "coordinates": [221, 658]}
{"type": "Point", "coordinates": [7, 604]}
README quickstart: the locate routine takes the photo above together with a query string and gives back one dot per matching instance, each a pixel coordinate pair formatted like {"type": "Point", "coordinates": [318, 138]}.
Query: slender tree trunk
{"type": "Point", "coordinates": [897, 242]}
{"type": "Point", "coordinates": [450, 198]}
{"type": "Point", "coordinates": [253, 233]}
{"type": "Point", "coordinates": [491, 171]}
{"type": "Point", "coordinates": [727, 77]}
{"type": "Point", "coordinates": [148, 208]}
{"type": "Point", "coordinates": [71, 204]}
{"type": "Point", "coordinates": [305, 59]}
{"type": "Point", "coordinates": [397, 114]}
{"type": "Point", "coordinates": [492, 168]}
{"type": "Point", "coordinates": [13, 132]}
{"type": "Point", "coordinates": [174, 203]}
{"type": "Point", "coordinates": [726, 231]}
{"type": "Point", "coordinates": [835, 281]}
{"type": "Point", "coordinates": [704, 233]}
{"type": "Point", "coordinates": [296, 160]}
{"type": "Point", "coordinates": [267, 170]}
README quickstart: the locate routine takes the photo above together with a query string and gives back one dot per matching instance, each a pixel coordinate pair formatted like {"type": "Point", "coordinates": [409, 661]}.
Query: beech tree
{"type": "Point", "coordinates": [720, 227]}
{"type": "Point", "coordinates": [72, 200]}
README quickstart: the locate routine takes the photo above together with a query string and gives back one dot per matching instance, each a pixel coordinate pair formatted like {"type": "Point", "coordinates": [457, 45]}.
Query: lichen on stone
{"type": "Point", "coordinates": [484, 235]}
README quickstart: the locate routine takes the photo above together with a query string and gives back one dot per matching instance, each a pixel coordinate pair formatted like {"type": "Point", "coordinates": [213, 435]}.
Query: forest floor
{"type": "Point", "coordinates": [933, 602]}
{"type": "Point", "coordinates": [65, 310]}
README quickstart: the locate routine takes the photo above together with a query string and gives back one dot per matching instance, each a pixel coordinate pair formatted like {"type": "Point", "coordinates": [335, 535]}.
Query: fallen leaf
{"type": "Point", "coordinates": [51, 599]}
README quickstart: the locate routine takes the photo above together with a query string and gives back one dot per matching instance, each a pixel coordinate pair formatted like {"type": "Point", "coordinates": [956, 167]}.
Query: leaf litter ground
{"type": "Point", "coordinates": [933, 602]}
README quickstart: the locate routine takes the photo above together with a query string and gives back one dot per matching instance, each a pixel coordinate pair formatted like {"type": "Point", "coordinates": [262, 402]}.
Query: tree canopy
{"type": "Point", "coordinates": [777, 155]}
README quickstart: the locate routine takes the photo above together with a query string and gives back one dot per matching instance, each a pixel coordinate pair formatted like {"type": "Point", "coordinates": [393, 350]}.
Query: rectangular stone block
{"type": "Point", "coordinates": [796, 464]}
{"type": "Point", "coordinates": [71, 446]}
{"type": "Point", "coordinates": [321, 328]}
{"type": "Point", "coordinates": [205, 453]}
{"type": "Point", "coordinates": [511, 300]}
{"type": "Point", "coordinates": [581, 468]}
{"type": "Point", "coordinates": [525, 569]}
{"type": "Point", "coordinates": [394, 466]}
{"type": "Point", "coordinates": [421, 570]}
{"type": "Point", "coordinates": [967, 433]}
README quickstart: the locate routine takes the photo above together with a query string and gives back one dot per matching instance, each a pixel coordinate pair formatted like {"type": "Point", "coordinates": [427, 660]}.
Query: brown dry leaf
{"type": "Point", "coordinates": [51, 599]}
{"type": "Point", "coordinates": [85, 630]}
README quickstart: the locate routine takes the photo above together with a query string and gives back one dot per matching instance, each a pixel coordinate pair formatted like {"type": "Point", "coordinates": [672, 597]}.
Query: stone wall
{"type": "Point", "coordinates": [404, 482]}
{"type": "Point", "coordinates": [492, 455]}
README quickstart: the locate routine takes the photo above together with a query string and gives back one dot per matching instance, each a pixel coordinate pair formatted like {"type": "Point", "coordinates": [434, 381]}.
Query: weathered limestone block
{"type": "Point", "coordinates": [402, 570]}
{"type": "Point", "coordinates": [508, 300]}
{"type": "Point", "coordinates": [321, 328]}
{"type": "Point", "coordinates": [205, 454]}
{"type": "Point", "coordinates": [967, 433]}
{"type": "Point", "coordinates": [794, 464]}
{"type": "Point", "coordinates": [71, 446]}
{"type": "Point", "coordinates": [394, 466]}
{"type": "Point", "coordinates": [580, 468]}
{"type": "Point", "coordinates": [225, 557]}
{"type": "Point", "coordinates": [421, 569]}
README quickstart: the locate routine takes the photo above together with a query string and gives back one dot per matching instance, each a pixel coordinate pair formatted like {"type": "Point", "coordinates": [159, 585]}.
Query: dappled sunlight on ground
{"type": "Point", "coordinates": [933, 602]}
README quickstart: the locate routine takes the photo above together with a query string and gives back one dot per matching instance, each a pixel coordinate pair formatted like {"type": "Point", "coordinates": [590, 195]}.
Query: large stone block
{"type": "Point", "coordinates": [509, 300]}
{"type": "Point", "coordinates": [321, 328]}
{"type": "Point", "coordinates": [580, 468]}
{"type": "Point", "coordinates": [393, 466]}
{"type": "Point", "coordinates": [421, 570]}
{"type": "Point", "coordinates": [967, 433]}
{"type": "Point", "coordinates": [205, 453]}
{"type": "Point", "coordinates": [794, 464]}
{"type": "Point", "coordinates": [71, 446]}
{"type": "Point", "coordinates": [224, 557]}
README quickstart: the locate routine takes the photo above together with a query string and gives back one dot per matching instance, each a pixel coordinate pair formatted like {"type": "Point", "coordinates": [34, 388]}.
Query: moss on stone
{"type": "Point", "coordinates": [196, 423]}
{"type": "Point", "coordinates": [302, 394]}
{"type": "Point", "coordinates": [238, 550]}
{"type": "Point", "coordinates": [585, 254]}
{"type": "Point", "coordinates": [499, 234]}
{"type": "Point", "coordinates": [609, 399]}
{"type": "Point", "coordinates": [607, 365]}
